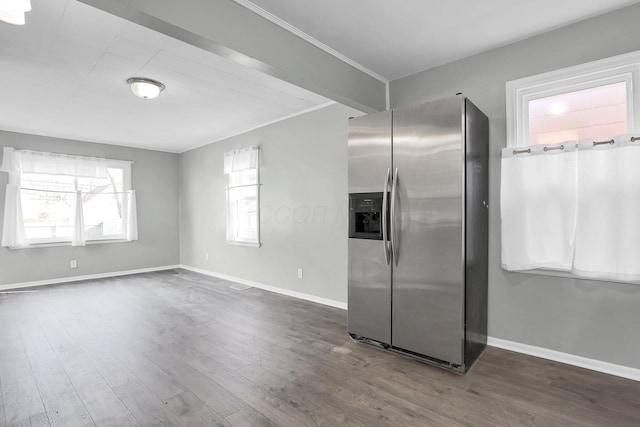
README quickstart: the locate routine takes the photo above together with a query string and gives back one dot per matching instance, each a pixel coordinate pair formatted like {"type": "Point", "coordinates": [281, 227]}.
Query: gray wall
{"type": "Point", "coordinates": [592, 319]}
{"type": "Point", "coordinates": [155, 179]}
{"type": "Point", "coordinates": [303, 171]}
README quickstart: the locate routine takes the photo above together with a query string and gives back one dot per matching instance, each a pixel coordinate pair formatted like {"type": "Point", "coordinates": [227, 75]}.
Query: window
{"type": "Point", "coordinates": [53, 199]}
{"type": "Point", "coordinates": [597, 112]}
{"type": "Point", "coordinates": [569, 172]}
{"type": "Point", "coordinates": [595, 100]}
{"type": "Point", "coordinates": [243, 197]}
{"type": "Point", "coordinates": [48, 205]}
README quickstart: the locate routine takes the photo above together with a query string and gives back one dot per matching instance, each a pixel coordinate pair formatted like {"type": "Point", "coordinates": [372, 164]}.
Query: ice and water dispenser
{"type": "Point", "coordinates": [365, 215]}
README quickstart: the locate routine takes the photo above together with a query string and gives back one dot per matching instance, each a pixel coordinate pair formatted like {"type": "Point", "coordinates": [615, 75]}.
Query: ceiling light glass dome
{"type": "Point", "coordinates": [145, 88]}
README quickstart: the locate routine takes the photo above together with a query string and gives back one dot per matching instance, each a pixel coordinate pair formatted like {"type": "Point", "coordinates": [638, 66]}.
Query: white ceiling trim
{"type": "Point", "coordinates": [298, 32]}
{"type": "Point", "coordinates": [280, 119]}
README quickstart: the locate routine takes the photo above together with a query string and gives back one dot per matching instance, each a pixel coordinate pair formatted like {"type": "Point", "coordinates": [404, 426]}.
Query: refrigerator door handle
{"type": "Point", "coordinates": [385, 239]}
{"type": "Point", "coordinates": [394, 188]}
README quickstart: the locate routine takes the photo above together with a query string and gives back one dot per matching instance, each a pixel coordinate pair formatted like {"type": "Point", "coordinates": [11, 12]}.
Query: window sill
{"type": "Point", "coordinates": [569, 275]}
{"type": "Point", "coordinates": [248, 244]}
{"type": "Point", "coordinates": [60, 244]}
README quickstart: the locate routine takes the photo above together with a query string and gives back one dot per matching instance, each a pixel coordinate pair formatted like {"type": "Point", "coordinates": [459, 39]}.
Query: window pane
{"type": "Point", "coordinates": [247, 220]}
{"type": "Point", "coordinates": [247, 177]}
{"type": "Point", "coordinates": [48, 204]}
{"type": "Point", "coordinates": [598, 112]}
{"type": "Point", "coordinates": [113, 183]}
{"type": "Point", "coordinates": [243, 213]}
{"type": "Point", "coordinates": [48, 182]}
{"type": "Point", "coordinates": [103, 204]}
{"type": "Point", "coordinates": [103, 214]}
{"type": "Point", "coordinates": [47, 214]}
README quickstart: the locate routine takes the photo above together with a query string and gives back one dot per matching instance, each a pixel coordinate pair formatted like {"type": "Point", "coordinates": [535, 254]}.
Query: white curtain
{"type": "Point", "coordinates": [16, 162]}
{"type": "Point", "coordinates": [62, 164]}
{"type": "Point", "coordinates": [538, 207]}
{"type": "Point", "coordinates": [240, 160]}
{"type": "Point", "coordinates": [77, 235]}
{"type": "Point", "coordinates": [608, 222]}
{"type": "Point", "coordinates": [132, 216]}
{"type": "Point", "coordinates": [13, 234]}
{"type": "Point", "coordinates": [576, 209]}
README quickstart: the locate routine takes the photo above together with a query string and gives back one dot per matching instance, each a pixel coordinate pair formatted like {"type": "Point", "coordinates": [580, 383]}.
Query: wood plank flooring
{"type": "Point", "coordinates": [181, 349]}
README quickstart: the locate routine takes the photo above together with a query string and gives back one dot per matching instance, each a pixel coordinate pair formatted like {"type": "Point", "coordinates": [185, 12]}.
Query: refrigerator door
{"type": "Point", "coordinates": [428, 282]}
{"type": "Point", "coordinates": [369, 275]}
{"type": "Point", "coordinates": [477, 231]}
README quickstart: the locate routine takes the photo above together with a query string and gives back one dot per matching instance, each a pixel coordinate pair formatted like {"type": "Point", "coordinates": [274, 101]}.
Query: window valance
{"type": "Point", "coordinates": [241, 160]}
{"type": "Point", "coordinates": [41, 162]}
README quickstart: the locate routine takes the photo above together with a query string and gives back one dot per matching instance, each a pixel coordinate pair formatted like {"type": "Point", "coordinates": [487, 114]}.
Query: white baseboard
{"type": "Point", "coordinates": [86, 277]}
{"type": "Point", "coordinates": [300, 295]}
{"type": "Point", "coordinates": [569, 359]}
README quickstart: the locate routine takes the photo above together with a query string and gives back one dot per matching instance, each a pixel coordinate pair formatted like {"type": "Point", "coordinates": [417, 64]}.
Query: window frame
{"type": "Point", "coordinates": [57, 241]}
{"type": "Point", "coordinates": [235, 241]}
{"type": "Point", "coordinates": [621, 68]}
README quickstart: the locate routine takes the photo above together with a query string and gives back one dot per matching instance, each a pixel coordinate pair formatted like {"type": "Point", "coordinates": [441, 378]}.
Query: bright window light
{"type": "Point", "coordinates": [597, 112]}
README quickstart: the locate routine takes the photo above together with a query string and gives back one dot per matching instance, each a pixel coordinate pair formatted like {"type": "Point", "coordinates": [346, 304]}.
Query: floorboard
{"type": "Point", "coordinates": [177, 348]}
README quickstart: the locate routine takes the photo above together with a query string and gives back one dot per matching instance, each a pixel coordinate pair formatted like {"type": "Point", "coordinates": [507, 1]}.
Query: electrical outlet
{"type": "Point", "coordinates": [73, 263]}
{"type": "Point", "coordinates": [206, 257]}
{"type": "Point", "coordinates": [299, 273]}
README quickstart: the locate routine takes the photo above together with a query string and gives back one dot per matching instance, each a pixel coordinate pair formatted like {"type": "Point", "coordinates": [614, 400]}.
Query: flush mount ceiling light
{"type": "Point", "coordinates": [144, 88]}
{"type": "Point", "coordinates": [12, 11]}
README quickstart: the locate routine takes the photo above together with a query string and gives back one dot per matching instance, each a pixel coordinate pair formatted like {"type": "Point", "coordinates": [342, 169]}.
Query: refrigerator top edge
{"type": "Point", "coordinates": [458, 95]}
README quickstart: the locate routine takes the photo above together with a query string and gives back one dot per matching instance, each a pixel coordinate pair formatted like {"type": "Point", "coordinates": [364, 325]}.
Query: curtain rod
{"type": "Point", "coordinates": [528, 150]}
{"type": "Point", "coordinates": [561, 147]}
{"type": "Point", "coordinates": [554, 148]}
{"type": "Point", "coordinates": [611, 141]}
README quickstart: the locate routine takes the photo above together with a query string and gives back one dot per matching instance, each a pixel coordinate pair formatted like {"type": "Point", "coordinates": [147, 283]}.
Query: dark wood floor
{"type": "Point", "coordinates": [178, 348]}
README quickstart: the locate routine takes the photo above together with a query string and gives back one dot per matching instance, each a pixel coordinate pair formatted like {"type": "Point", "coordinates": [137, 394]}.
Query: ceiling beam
{"type": "Point", "coordinates": [228, 29]}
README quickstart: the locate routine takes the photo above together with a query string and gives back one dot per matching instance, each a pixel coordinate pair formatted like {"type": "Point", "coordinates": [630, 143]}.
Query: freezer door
{"type": "Point", "coordinates": [428, 291]}
{"type": "Point", "coordinates": [369, 275]}
{"type": "Point", "coordinates": [369, 314]}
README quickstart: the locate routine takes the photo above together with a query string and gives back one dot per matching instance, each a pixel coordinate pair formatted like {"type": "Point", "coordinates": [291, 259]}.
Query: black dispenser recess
{"type": "Point", "coordinates": [365, 215]}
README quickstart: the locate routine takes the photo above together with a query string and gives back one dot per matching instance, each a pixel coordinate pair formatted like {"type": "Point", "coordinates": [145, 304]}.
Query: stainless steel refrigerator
{"type": "Point", "coordinates": [418, 230]}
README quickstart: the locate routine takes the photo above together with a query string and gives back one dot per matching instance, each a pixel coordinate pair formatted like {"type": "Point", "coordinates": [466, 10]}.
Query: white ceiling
{"type": "Point", "coordinates": [397, 38]}
{"type": "Point", "coordinates": [63, 73]}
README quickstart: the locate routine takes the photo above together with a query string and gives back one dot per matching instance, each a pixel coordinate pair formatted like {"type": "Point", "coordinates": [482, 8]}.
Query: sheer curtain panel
{"type": "Point", "coordinates": [608, 223]}
{"type": "Point", "coordinates": [77, 237]}
{"type": "Point", "coordinates": [241, 160]}
{"type": "Point", "coordinates": [574, 209]}
{"type": "Point", "coordinates": [13, 234]}
{"type": "Point", "coordinates": [132, 218]}
{"type": "Point", "coordinates": [62, 164]}
{"type": "Point", "coordinates": [538, 207]}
